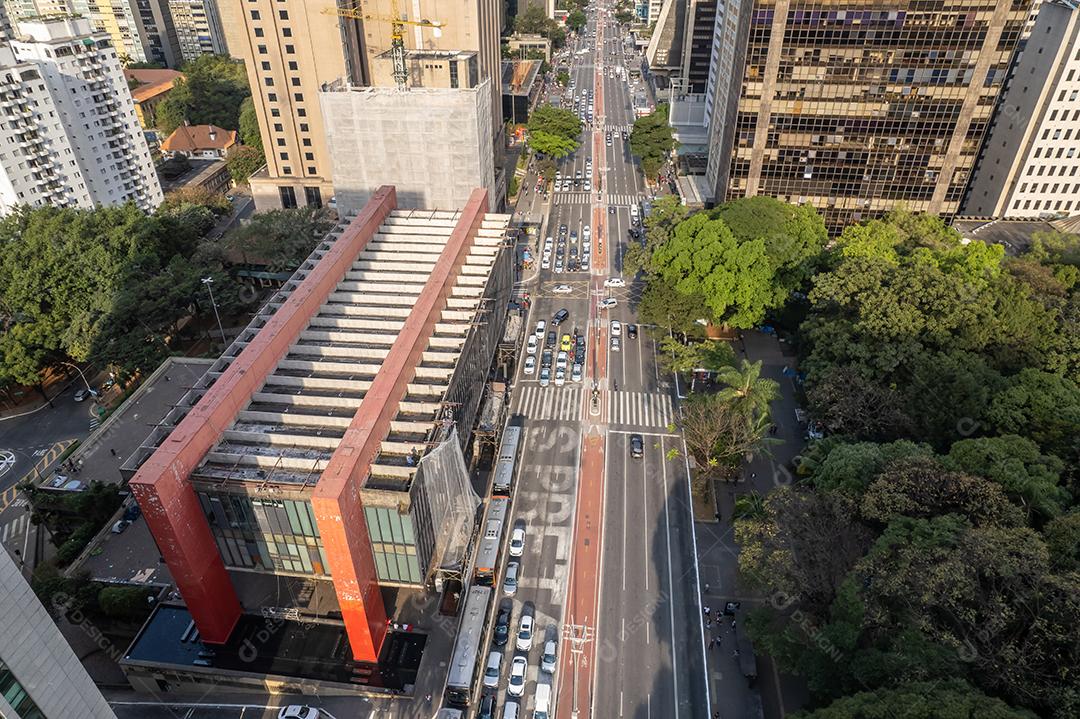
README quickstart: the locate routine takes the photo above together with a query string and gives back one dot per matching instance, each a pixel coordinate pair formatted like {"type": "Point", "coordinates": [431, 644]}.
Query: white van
{"type": "Point", "coordinates": [510, 710]}
{"type": "Point", "coordinates": [543, 701]}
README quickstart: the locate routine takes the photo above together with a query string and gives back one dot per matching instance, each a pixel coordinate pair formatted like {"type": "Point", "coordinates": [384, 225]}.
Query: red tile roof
{"type": "Point", "coordinates": [151, 83]}
{"type": "Point", "coordinates": [195, 138]}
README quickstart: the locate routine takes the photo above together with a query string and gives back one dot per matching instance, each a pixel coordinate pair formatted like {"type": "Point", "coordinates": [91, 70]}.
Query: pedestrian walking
{"type": "Point", "coordinates": [706, 610]}
{"type": "Point", "coordinates": [732, 625]}
{"type": "Point", "coordinates": [112, 451]}
{"type": "Point", "coordinates": [712, 643]}
{"type": "Point", "coordinates": [706, 587]}
{"type": "Point", "coordinates": [708, 624]}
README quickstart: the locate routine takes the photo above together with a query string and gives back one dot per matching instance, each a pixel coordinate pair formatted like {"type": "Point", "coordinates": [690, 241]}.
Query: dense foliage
{"type": "Point", "coordinates": [211, 93]}
{"type": "Point", "coordinates": [651, 140]}
{"type": "Point", "coordinates": [553, 131]}
{"type": "Point", "coordinates": [534, 20]}
{"type": "Point", "coordinates": [926, 564]}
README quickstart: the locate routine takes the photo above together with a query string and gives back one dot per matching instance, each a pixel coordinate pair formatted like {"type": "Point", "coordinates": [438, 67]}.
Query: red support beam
{"type": "Point", "coordinates": [336, 501]}
{"type": "Point", "coordinates": [161, 485]}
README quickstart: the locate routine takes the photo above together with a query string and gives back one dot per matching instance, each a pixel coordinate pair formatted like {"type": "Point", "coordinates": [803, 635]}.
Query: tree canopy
{"type": "Point", "coordinates": [211, 93]}
{"type": "Point", "coordinates": [652, 141]}
{"type": "Point", "coordinates": [553, 131]}
{"type": "Point", "coordinates": [534, 20]}
{"type": "Point", "coordinates": [248, 121]}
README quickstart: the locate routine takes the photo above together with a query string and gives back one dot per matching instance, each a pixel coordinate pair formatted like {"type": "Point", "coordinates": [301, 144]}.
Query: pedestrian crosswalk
{"type": "Point", "coordinates": [15, 528]}
{"type": "Point", "coordinates": [562, 403]}
{"type": "Point", "coordinates": [619, 128]}
{"type": "Point", "coordinates": [617, 199]}
{"type": "Point", "coordinates": [640, 409]}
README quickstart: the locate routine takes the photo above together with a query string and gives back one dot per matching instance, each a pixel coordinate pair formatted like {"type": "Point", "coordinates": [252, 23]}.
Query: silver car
{"type": "Point", "coordinates": [510, 581]}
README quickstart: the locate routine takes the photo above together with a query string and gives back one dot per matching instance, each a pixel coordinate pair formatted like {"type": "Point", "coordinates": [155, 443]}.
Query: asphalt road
{"type": "Point", "coordinates": [609, 558]}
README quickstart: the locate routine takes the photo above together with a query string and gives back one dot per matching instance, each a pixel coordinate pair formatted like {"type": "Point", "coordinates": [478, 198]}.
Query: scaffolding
{"type": "Point", "coordinates": [442, 490]}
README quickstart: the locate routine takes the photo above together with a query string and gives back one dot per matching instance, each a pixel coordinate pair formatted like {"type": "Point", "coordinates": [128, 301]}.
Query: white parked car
{"type": "Point", "coordinates": [616, 344]}
{"type": "Point", "coordinates": [616, 328]}
{"type": "Point", "coordinates": [561, 359]}
{"type": "Point", "coordinates": [562, 289]}
{"type": "Point", "coordinates": [530, 364]}
{"type": "Point", "coordinates": [608, 302]}
{"type": "Point", "coordinates": [560, 377]}
{"type": "Point", "coordinates": [547, 661]}
{"type": "Point", "coordinates": [545, 264]}
{"type": "Point", "coordinates": [541, 328]}
{"type": "Point", "coordinates": [614, 282]}
{"type": "Point", "coordinates": [549, 242]}
{"type": "Point", "coordinates": [525, 633]}
{"type": "Point", "coordinates": [575, 374]}
{"type": "Point", "coordinates": [516, 686]}
{"type": "Point", "coordinates": [545, 376]}
{"type": "Point", "coordinates": [586, 232]}
{"type": "Point", "coordinates": [491, 672]}
{"type": "Point", "coordinates": [298, 711]}
{"type": "Point", "coordinates": [531, 344]}
{"type": "Point", "coordinates": [517, 542]}
{"type": "Point", "coordinates": [510, 581]}
{"type": "Point", "coordinates": [558, 265]}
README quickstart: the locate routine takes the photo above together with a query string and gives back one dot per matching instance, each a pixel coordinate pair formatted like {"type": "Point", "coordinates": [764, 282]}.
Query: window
{"type": "Point", "coordinates": [301, 112]}
{"type": "Point", "coordinates": [298, 96]}
{"type": "Point", "coordinates": [266, 66]}
{"type": "Point", "coordinates": [268, 81]}
{"type": "Point", "coordinates": [271, 96]}
{"type": "Point", "coordinates": [290, 50]}
{"type": "Point", "coordinates": [262, 49]}
{"type": "Point", "coordinates": [283, 14]}
{"type": "Point", "coordinates": [258, 32]}
{"type": "Point", "coordinates": [255, 15]}
{"type": "Point", "coordinates": [288, 197]}
{"type": "Point", "coordinates": [306, 141]}
{"type": "Point", "coordinates": [309, 156]}
{"type": "Point", "coordinates": [313, 195]}
{"type": "Point", "coordinates": [293, 65]}
{"type": "Point", "coordinates": [286, 32]}
{"type": "Point", "coordinates": [286, 170]}
{"type": "Point", "coordinates": [281, 142]}
{"type": "Point", "coordinates": [16, 695]}
{"type": "Point", "coordinates": [303, 127]}
{"type": "Point", "coordinates": [295, 81]}
{"type": "Point", "coordinates": [274, 112]}
{"type": "Point", "coordinates": [278, 127]}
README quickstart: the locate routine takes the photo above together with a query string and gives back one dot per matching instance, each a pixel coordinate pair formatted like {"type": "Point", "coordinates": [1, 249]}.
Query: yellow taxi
{"type": "Point", "coordinates": [567, 343]}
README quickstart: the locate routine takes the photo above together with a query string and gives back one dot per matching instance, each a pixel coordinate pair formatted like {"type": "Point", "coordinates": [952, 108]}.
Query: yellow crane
{"type": "Point", "coordinates": [397, 32]}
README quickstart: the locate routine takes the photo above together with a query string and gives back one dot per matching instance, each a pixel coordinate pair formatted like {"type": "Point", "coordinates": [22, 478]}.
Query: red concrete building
{"type": "Point", "coordinates": [297, 456]}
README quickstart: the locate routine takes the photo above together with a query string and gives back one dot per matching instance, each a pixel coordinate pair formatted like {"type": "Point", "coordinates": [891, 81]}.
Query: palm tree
{"type": "Point", "coordinates": [747, 391]}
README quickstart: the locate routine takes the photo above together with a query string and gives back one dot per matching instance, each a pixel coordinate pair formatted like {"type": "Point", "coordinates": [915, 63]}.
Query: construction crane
{"type": "Point", "coordinates": [397, 33]}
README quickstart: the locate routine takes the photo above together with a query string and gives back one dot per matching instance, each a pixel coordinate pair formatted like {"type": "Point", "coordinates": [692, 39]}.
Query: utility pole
{"type": "Point", "coordinates": [209, 282]}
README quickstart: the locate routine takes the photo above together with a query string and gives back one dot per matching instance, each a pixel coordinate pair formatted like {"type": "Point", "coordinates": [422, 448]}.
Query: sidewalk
{"type": "Point", "coordinates": [771, 695]}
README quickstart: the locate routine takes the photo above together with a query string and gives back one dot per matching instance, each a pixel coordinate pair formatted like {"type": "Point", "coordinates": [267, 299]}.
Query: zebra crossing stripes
{"type": "Point", "coordinates": [561, 403]}
{"type": "Point", "coordinates": [619, 128]}
{"type": "Point", "coordinates": [15, 528]}
{"type": "Point", "coordinates": [641, 409]}
{"type": "Point", "coordinates": [619, 200]}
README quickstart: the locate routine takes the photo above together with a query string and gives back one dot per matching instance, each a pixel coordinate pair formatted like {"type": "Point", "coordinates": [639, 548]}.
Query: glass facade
{"type": "Point", "coordinates": [858, 107]}
{"type": "Point", "coordinates": [273, 535]}
{"type": "Point", "coordinates": [393, 544]}
{"type": "Point", "coordinates": [15, 695]}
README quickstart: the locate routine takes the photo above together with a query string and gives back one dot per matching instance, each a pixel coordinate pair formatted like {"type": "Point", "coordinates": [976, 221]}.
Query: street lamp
{"type": "Point", "coordinates": [88, 388]}
{"type": "Point", "coordinates": [209, 281]}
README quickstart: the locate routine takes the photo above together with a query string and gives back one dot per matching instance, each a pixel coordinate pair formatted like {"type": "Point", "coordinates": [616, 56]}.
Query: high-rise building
{"type": "Point", "coordinates": [291, 49]}
{"type": "Point", "coordinates": [40, 676]}
{"type": "Point", "coordinates": [1029, 165]}
{"type": "Point", "coordinates": [858, 109]}
{"type": "Point", "coordinates": [70, 135]}
{"type": "Point", "coordinates": [294, 49]}
{"type": "Point", "coordinates": [198, 28]}
{"type": "Point", "coordinates": [141, 30]}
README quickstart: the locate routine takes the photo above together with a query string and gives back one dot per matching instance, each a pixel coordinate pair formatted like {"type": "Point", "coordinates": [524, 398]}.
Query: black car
{"type": "Point", "coordinates": [552, 338]}
{"type": "Point", "coordinates": [562, 229]}
{"type": "Point", "coordinates": [631, 331]}
{"type": "Point", "coordinates": [559, 317]}
{"type": "Point", "coordinates": [545, 359]}
{"type": "Point", "coordinates": [502, 628]}
{"type": "Point", "coordinates": [637, 446]}
{"type": "Point", "coordinates": [487, 707]}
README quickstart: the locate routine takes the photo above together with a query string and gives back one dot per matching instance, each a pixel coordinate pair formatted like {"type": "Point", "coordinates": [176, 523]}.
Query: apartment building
{"type": "Point", "coordinates": [198, 28]}
{"type": "Point", "coordinates": [1030, 162]}
{"type": "Point", "coordinates": [141, 30]}
{"type": "Point", "coordinates": [40, 676]}
{"type": "Point", "coordinates": [69, 132]}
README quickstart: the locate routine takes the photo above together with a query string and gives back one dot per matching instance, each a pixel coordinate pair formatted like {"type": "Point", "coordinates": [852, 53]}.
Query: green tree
{"type": "Point", "coordinates": [534, 20]}
{"type": "Point", "coordinates": [1029, 477]}
{"type": "Point", "coordinates": [250, 134]}
{"type": "Point", "coordinates": [1042, 406]}
{"type": "Point", "coordinates": [1062, 537]}
{"type": "Point", "coordinates": [243, 161]}
{"type": "Point", "coordinates": [132, 604]}
{"type": "Point", "coordinates": [211, 93]}
{"type": "Point", "coordinates": [280, 239]}
{"type": "Point", "coordinates": [177, 200]}
{"type": "Point", "coordinates": [575, 20]}
{"type": "Point", "coordinates": [661, 305]}
{"type": "Point", "coordinates": [624, 17]}
{"type": "Point", "coordinates": [953, 699]}
{"type": "Point", "coordinates": [553, 131]}
{"type": "Point", "coordinates": [652, 141]}
{"type": "Point", "coordinates": [733, 279]}
{"type": "Point", "coordinates": [562, 77]}
{"type": "Point", "coordinates": [745, 390]}
{"type": "Point", "coordinates": [847, 403]}
{"type": "Point", "coordinates": [676, 356]}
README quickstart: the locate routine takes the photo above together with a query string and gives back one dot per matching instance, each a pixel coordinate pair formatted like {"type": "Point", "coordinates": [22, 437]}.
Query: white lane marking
{"type": "Point", "coordinates": [671, 582]}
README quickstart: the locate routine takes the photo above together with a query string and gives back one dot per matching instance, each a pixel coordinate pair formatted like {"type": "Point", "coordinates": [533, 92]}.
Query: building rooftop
{"type": "Point", "coordinates": [518, 76]}
{"type": "Point", "coordinates": [197, 138]}
{"type": "Point", "coordinates": [151, 83]}
{"type": "Point", "coordinates": [294, 422]}
{"type": "Point", "coordinates": [1015, 235]}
